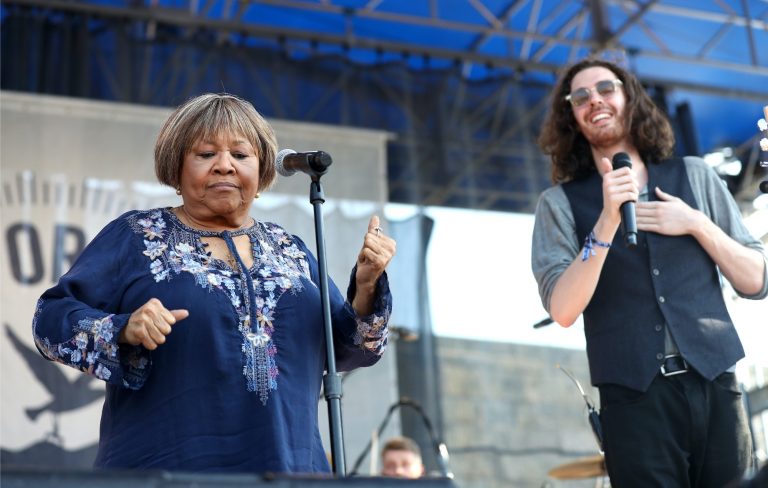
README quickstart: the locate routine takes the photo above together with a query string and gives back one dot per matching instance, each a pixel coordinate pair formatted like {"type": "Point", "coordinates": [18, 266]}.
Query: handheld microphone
{"type": "Point", "coordinates": [313, 163]}
{"type": "Point", "coordinates": [628, 220]}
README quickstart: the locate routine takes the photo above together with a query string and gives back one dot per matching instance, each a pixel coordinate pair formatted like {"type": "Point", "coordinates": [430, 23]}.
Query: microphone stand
{"type": "Point", "coordinates": [332, 379]}
{"type": "Point", "coordinates": [441, 451]}
{"type": "Point", "coordinates": [379, 431]}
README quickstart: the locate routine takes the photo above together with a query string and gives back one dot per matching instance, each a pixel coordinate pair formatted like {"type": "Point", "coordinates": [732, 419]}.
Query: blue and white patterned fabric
{"type": "Point", "coordinates": [235, 386]}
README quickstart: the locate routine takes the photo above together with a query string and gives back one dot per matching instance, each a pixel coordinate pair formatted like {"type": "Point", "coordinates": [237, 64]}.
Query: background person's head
{"type": "Point", "coordinates": [401, 458]}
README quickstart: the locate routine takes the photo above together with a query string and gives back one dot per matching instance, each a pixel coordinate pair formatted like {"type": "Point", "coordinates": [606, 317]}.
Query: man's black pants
{"type": "Point", "coordinates": [683, 432]}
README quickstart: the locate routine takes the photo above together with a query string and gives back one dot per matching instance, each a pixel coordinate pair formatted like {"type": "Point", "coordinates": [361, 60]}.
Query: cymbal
{"type": "Point", "coordinates": [589, 467]}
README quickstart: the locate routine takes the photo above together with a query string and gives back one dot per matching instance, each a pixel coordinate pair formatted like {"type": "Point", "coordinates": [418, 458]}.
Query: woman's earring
{"type": "Point", "coordinates": [178, 190]}
{"type": "Point", "coordinates": [257, 196]}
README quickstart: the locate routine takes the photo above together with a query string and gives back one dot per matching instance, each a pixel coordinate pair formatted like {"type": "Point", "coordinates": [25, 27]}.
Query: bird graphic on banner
{"type": "Point", "coordinates": [66, 395]}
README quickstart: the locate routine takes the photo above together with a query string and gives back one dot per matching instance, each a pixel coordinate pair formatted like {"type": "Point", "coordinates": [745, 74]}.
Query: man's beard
{"type": "Point", "coordinates": [609, 136]}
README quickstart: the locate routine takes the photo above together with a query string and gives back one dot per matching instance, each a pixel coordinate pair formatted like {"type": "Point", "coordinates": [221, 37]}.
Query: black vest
{"type": "Point", "coordinates": [665, 281]}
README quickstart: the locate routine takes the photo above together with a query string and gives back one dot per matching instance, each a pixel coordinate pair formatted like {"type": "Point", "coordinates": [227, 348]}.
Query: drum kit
{"type": "Point", "coordinates": [588, 467]}
{"type": "Point", "coordinates": [584, 468]}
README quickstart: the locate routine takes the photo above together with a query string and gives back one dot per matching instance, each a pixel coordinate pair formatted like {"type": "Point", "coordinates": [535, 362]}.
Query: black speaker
{"type": "Point", "coordinates": [17, 477]}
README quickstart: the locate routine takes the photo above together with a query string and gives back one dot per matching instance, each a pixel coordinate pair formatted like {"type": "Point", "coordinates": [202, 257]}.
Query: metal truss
{"type": "Point", "coordinates": [462, 138]}
{"type": "Point", "coordinates": [529, 36]}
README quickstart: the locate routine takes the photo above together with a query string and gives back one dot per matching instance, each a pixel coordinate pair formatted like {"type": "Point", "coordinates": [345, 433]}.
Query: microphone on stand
{"type": "Point", "coordinates": [313, 163]}
{"type": "Point", "coordinates": [442, 459]}
{"type": "Point", "coordinates": [439, 447]}
{"type": "Point", "coordinates": [441, 450]}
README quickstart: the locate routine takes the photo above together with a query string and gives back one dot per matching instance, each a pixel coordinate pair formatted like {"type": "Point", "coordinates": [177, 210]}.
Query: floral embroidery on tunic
{"type": "Point", "coordinates": [93, 350]}
{"type": "Point", "coordinates": [372, 334]}
{"type": "Point", "coordinates": [279, 266]}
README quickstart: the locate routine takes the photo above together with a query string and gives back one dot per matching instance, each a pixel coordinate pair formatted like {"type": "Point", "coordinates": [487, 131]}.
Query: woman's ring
{"type": "Point", "coordinates": [378, 231]}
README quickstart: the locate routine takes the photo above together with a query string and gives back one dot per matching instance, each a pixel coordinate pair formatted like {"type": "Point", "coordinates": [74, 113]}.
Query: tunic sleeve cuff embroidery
{"type": "Point", "coordinates": [372, 331]}
{"type": "Point", "coordinates": [94, 350]}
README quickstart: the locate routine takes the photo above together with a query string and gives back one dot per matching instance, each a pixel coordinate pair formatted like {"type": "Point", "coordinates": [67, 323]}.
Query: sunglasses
{"type": "Point", "coordinates": [580, 96]}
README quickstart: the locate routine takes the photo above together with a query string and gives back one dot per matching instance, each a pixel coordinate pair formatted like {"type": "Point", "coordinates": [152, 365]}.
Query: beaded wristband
{"type": "Point", "coordinates": [589, 245]}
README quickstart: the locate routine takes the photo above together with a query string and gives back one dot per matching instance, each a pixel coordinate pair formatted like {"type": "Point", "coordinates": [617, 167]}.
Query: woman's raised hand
{"type": "Point", "coordinates": [150, 323]}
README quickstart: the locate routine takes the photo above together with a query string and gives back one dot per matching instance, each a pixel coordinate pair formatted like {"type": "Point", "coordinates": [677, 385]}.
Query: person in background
{"type": "Point", "coordinates": [661, 346]}
{"type": "Point", "coordinates": [205, 322]}
{"type": "Point", "coordinates": [401, 458]}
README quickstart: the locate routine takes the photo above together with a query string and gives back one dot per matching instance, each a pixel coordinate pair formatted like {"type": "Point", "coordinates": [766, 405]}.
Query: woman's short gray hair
{"type": "Point", "coordinates": [207, 117]}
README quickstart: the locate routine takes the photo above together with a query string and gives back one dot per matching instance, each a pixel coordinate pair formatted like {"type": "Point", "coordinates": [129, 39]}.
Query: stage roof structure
{"type": "Point", "coordinates": [468, 77]}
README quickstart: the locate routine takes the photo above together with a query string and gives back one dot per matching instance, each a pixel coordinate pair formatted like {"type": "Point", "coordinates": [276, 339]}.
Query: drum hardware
{"type": "Point", "coordinates": [593, 416]}
{"type": "Point", "coordinates": [589, 467]}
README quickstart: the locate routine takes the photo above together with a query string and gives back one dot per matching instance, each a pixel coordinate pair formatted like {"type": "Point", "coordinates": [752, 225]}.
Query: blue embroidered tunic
{"type": "Point", "coordinates": [235, 387]}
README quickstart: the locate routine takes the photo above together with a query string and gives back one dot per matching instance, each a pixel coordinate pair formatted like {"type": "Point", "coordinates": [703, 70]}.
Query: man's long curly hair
{"type": "Point", "coordinates": [648, 128]}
